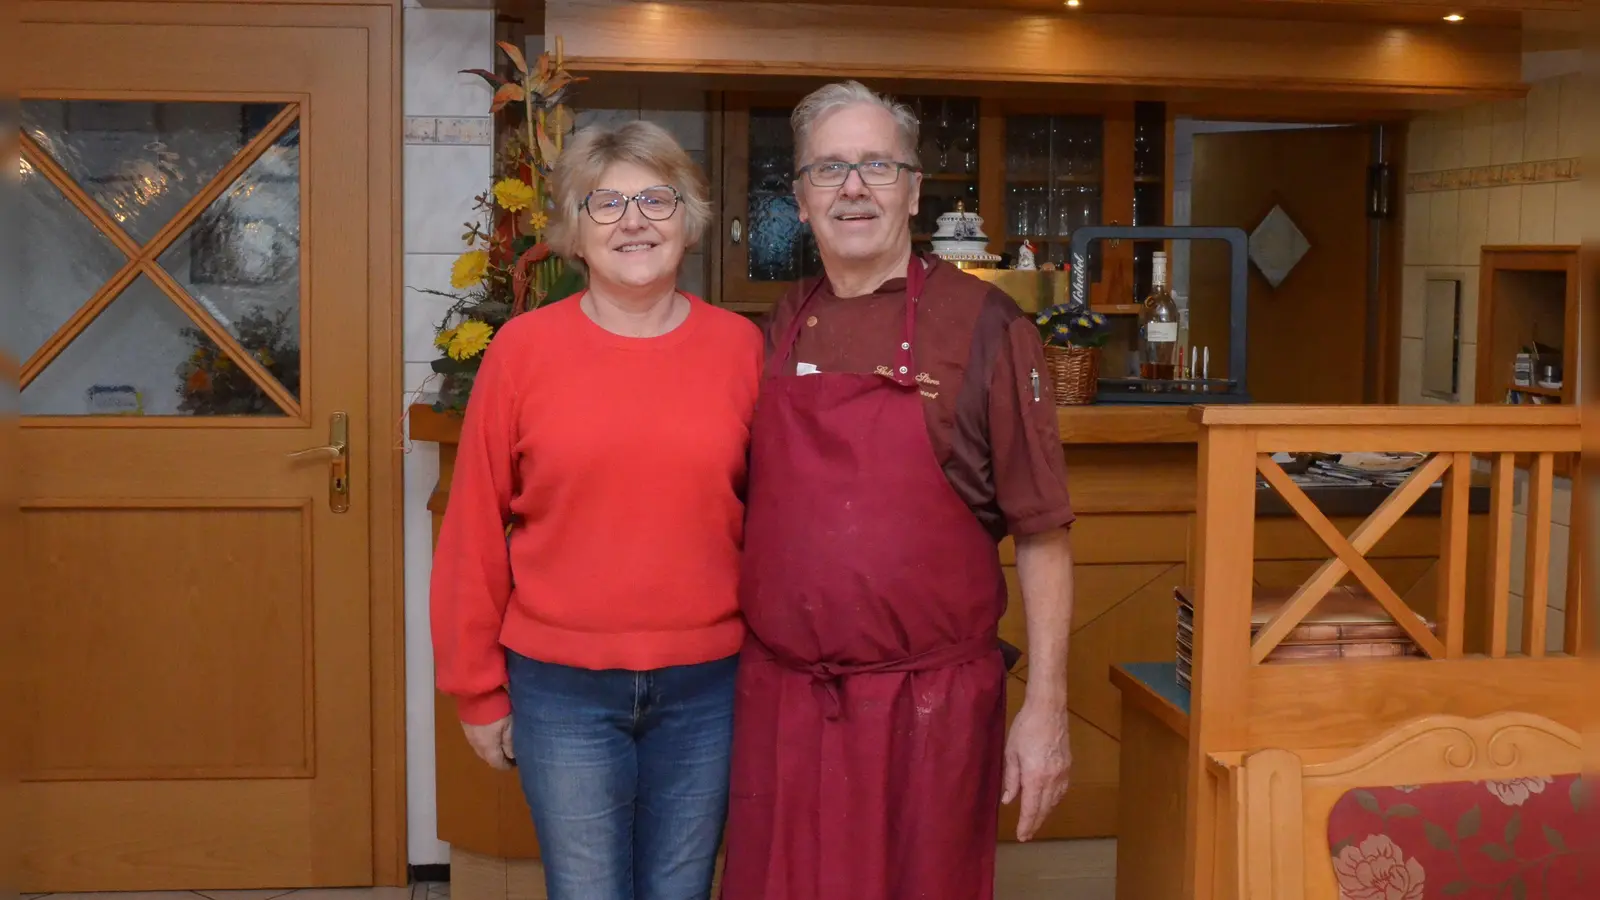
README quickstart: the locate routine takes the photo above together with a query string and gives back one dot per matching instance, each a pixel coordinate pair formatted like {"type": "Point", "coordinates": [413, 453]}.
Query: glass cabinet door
{"type": "Point", "coordinates": [765, 247]}
{"type": "Point", "coordinates": [1054, 175]}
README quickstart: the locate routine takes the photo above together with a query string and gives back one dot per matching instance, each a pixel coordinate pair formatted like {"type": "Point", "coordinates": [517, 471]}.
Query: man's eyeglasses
{"type": "Point", "coordinates": [874, 172]}
{"type": "Point", "coordinates": [655, 203]}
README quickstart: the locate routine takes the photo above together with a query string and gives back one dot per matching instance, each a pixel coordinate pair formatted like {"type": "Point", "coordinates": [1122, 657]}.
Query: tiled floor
{"type": "Point", "coordinates": [1072, 870]}
{"type": "Point", "coordinates": [422, 891]}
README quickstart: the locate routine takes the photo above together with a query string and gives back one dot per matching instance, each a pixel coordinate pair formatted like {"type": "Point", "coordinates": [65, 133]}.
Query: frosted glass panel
{"type": "Point", "coordinates": [64, 259]}
{"type": "Point", "coordinates": [143, 356]}
{"type": "Point", "coordinates": [241, 259]}
{"type": "Point", "coordinates": [141, 162]}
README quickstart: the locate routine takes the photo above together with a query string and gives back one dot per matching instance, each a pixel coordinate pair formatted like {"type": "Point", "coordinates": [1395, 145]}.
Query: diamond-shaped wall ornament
{"type": "Point", "coordinates": [1277, 245]}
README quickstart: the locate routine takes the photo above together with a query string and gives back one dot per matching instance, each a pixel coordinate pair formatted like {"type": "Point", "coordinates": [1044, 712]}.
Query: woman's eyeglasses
{"type": "Point", "coordinates": [655, 203]}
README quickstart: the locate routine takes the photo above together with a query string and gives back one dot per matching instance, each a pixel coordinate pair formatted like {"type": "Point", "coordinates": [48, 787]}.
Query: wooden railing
{"type": "Point", "coordinates": [1241, 701]}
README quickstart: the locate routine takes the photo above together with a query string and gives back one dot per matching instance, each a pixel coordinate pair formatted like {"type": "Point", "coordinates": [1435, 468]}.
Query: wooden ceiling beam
{"type": "Point", "coordinates": [755, 38]}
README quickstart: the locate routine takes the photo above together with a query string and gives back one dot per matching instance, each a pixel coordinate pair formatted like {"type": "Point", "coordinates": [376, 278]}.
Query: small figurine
{"type": "Point", "coordinates": [1025, 256]}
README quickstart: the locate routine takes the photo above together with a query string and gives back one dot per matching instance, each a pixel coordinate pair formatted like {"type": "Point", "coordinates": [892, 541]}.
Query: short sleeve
{"type": "Point", "coordinates": [1030, 472]}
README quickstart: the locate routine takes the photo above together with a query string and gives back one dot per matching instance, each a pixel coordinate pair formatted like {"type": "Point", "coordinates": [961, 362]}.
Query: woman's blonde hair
{"type": "Point", "coordinates": [647, 145]}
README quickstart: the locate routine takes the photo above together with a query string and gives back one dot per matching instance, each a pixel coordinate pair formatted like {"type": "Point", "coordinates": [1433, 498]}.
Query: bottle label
{"type": "Point", "coordinates": [1161, 332]}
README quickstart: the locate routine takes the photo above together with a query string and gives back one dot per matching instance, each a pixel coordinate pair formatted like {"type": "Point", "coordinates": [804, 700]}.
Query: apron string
{"type": "Point", "coordinates": [825, 676]}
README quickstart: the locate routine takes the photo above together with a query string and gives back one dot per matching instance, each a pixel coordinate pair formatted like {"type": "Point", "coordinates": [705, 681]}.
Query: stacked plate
{"type": "Point", "coordinates": [1348, 623]}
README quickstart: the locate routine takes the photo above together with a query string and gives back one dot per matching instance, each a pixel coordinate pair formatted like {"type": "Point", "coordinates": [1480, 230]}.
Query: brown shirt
{"type": "Point", "coordinates": [977, 355]}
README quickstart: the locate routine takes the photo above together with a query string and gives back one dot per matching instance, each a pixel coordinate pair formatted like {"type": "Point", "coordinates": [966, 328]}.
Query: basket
{"type": "Point", "coordinates": [1074, 372]}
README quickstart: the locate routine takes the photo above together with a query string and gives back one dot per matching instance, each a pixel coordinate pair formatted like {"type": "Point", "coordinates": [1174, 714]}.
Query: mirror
{"type": "Point", "coordinates": [1441, 339]}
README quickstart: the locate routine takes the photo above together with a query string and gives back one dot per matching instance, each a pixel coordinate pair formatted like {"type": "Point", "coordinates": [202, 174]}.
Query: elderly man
{"type": "Point", "coordinates": [901, 431]}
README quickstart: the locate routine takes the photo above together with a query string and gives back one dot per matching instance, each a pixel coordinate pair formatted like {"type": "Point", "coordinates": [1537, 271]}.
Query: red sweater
{"type": "Point", "coordinates": [619, 464]}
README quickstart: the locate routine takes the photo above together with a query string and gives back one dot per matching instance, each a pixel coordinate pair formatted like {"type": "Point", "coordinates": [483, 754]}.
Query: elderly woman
{"type": "Point", "coordinates": [595, 649]}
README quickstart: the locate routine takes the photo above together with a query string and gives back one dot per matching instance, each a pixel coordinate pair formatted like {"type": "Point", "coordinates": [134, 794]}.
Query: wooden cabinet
{"type": "Point", "coordinates": [1528, 300]}
{"type": "Point", "coordinates": [1035, 170]}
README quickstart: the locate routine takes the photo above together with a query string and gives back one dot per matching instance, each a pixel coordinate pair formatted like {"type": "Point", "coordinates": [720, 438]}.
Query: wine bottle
{"type": "Point", "coordinates": [1158, 327]}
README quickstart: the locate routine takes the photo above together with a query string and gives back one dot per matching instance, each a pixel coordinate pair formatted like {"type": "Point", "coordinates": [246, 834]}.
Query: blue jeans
{"type": "Point", "coordinates": [626, 773]}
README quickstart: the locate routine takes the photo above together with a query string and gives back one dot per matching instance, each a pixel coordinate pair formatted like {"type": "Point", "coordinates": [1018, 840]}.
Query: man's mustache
{"type": "Point", "coordinates": [848, 210]}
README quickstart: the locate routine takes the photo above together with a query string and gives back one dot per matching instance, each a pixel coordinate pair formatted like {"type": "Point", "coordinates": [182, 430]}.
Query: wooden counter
{"type": "Point", "coordinates": [1132, 473]}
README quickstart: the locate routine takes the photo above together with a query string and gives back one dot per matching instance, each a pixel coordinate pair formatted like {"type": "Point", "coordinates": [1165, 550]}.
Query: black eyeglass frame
{"type": "Point", "coordinates": [809, 171]}
{"type": "Point", "coordinates": [677, 201]}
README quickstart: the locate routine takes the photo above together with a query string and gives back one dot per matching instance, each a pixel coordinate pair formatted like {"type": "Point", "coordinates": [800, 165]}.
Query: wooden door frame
{"type": "Point", "coordinates": [382, 20]}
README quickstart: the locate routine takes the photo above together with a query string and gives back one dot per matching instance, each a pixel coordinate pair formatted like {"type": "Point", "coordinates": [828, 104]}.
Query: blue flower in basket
{"type": "Point", "coordinates": [1066, 326]}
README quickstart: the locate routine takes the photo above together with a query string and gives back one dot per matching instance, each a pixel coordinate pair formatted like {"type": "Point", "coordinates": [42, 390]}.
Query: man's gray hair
{"type": "Point", "coordinates": [840, 94]}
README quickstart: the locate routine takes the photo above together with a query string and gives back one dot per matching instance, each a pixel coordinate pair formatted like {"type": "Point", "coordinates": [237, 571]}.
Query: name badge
{"type": "Point", "coordinates": [805, 369]}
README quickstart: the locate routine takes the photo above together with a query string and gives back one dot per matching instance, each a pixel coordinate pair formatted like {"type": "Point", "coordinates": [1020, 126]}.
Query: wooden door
{"type": "Point", "coordinates": [1307, 336]}
{"type": "Point", "coordinates": [200, 259]}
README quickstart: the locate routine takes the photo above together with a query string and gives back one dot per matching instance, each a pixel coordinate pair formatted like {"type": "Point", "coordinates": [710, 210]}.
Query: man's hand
{"type": "Point", "coordinates": [492, 742]}
{"type": "Point", "coordinates": [1038, 761]}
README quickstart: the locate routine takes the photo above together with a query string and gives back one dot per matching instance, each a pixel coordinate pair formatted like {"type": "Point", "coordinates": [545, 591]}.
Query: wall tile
{"type": "Point", "coordinates": [1541, 137]}
{"type": "Point", "coordinates": [1538, 214]}
{"type": "Point", "coordinates": [423, 311]}
{"type": "Point", "coordinates": [1510, 123]}
{"type": "Point", "coordinates": [421, 474]}
{"type": "Point", "coordinates": [1469, 304]}
{"type": "Point", "coordinates": [439, 43]}
{"type": "Point", "coordinates": [1505, 215]}
{"type": "Point", "coordinates": [1571, 119]}
{"type": "Point", "coordinates": [1473, 231]}
{"type": "Point", "coordinates": [440, 182]}
{"type": "Point", "coordinates": [1444, 218]}
{"type": "Point", "coordinates": [1555, 630]}
{"type": "Point", "coordinates": [1412, 301]}
{"type": "Point", "coordinates": [1420, 144]}
{"type": "Point", "coordinates": [1449, 140]}
{"type": "Point", "coordinates": [1514, 623]}
{"type": "Point", "coordinates": [420, 385]}
{"type": "Point", "coordinates": [1569, 213]}
{"type": "Point", "coordinates": [1477, 133]}
{"type": "Point", "coordinates": [1560, 544]}
{"type": "Point", "coordinates": [1467, 379]}
{"type": "Point", "coordinates": [1418, 222]}
{"type": "Point", "coordinates": [1410, 370]}
{"type": "Point", "coordinates": [1560, 497]}
{"type": "Point", "coordinates": [1560, 553]}
{"type": "Point", "coordinates": [1561, 502]}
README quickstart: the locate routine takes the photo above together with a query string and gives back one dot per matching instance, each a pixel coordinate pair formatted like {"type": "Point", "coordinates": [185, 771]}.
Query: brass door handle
{"type": "Point", "coordinates": [337, 453]}
{"type": "Point", "coordinates": [327, 451]}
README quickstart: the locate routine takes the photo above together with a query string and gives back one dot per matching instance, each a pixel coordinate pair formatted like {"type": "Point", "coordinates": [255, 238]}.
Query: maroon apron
{"type": "Point", "coordinates": [870, 715]}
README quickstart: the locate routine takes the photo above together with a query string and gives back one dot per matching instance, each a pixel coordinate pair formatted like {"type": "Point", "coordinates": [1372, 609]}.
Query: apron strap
{"type": "Point", "coordinates": [905, 369]}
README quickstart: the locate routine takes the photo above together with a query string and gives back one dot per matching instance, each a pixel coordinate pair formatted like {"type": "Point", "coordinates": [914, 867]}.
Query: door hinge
{"type": "Point", "coordinates": [1380, 191]}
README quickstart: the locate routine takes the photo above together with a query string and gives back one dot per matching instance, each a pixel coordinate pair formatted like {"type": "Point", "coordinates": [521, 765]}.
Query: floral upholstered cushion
{"type": "Point", "coordinates": [1524, 839]}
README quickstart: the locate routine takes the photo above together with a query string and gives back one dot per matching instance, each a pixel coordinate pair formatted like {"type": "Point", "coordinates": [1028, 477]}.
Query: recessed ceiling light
{"type": "Point", "coordinates": [1073, 3]}
{"type": "Point", "coordinates": [1455, 17]}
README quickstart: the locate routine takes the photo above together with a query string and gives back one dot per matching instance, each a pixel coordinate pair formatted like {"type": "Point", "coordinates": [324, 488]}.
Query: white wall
{"type": "Point", "coordinates": [1486, 174]}
{"type": "Point", "coordinates": [448, 161]}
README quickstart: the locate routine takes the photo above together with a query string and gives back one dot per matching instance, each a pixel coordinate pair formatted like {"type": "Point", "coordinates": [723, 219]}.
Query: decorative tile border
{"type": "Point", "coordinates": [1537, 172]}
{"type": "Point", "coordinates": [456, 130]}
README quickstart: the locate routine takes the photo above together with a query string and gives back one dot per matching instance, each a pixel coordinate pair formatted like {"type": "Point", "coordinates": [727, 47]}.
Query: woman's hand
{"type": "Point", "coordinates": [492, 742]}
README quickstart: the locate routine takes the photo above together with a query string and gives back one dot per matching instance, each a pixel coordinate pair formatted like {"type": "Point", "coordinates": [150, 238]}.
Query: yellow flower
{"type": "Point", "coordinates": [442, 339]}
{"type": "Point", "coordinates": [538, 221]}
{"type": "Point", "coordinates": [513, 194]}
{"type": "Point", "coordinates": [469, 339]}
{"type": "Point", "coordinates": [469, 269]}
